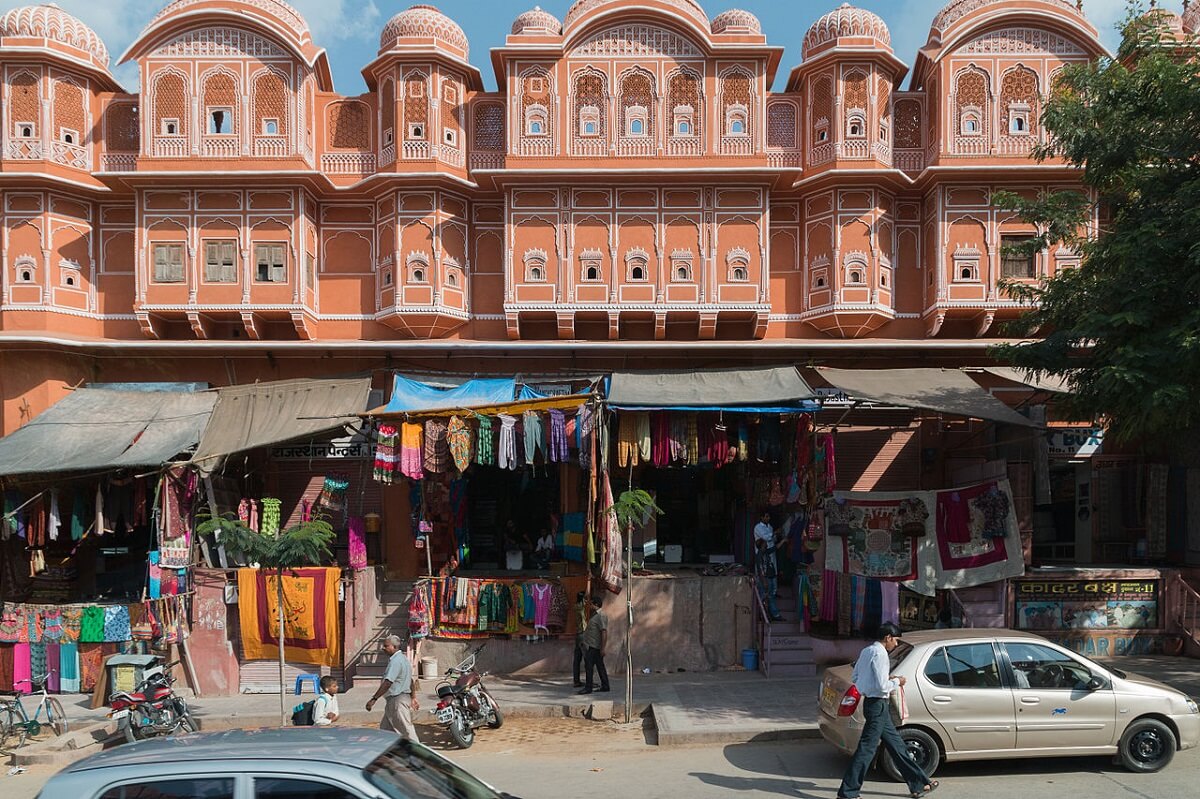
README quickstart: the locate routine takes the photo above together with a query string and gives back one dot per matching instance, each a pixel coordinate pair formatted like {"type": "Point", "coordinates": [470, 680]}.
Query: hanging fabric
{"type": "Point", "coordinates": [534, 443]}
{"type": "Point", "coordinates": [660, 444]}
{"type": "Point", "coordinates": [437, 453]}
{"type": "Point", "coordinates": [411, 462]}
{"type": "Point", "coordinates": [559, 450]}
{"type": "Point", "coordinates": [507, 449]}
{"type": "Point", "coordinates": [387, 458]}
{"type": "Point", "coordinates": [485, 449]}
{"type": "Point", "coordinates": [458, 437]}
{"type": "Point", "coordinates": [55, 519]}
{"type": "Point", "coordinates": [693, 439]}
{"type": "Point", "coordinates": [356, 531]}
{"type": "Point", "coordinates": [678, 434]}
{"type": "Point", "coordinates": [627, 444]}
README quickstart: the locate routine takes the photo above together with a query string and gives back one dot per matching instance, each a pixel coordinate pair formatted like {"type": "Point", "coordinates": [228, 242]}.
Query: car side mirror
{"type": "Point", "coordinates": [1096, 683]}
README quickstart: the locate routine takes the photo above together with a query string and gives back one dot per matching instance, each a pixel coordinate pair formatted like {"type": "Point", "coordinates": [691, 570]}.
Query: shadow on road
{"type": "Point", "coordinates": [759, 784]}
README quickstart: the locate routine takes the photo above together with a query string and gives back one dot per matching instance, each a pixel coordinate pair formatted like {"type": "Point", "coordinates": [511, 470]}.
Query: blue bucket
{"type": "Point", "coordinates": [750, 659]}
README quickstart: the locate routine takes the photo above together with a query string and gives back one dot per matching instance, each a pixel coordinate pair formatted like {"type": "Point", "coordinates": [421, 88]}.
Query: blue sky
{"type": "Point", "coordinates": [349, 29]}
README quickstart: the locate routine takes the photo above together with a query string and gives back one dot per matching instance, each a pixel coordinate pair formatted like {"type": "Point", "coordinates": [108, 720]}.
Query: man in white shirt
{"type": "Point", "coordinates": [399, 684]}
{"type": "Point", "coordinates": [766, 566]}
{"type": "Point", "coordinates": [325, 706]}
{"type": "Point", "coordinates": [763, 531]}
{"type": "Point", "coordinates": [875, 686]}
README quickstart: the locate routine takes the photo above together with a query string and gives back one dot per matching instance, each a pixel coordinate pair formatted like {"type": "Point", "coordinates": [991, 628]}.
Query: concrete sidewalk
{"type": "Point", "coordinates": [687, 708]}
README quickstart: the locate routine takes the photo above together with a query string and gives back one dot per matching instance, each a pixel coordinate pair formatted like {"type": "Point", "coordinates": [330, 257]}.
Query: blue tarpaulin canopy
{"type": "Point", "coordinates": [411, 396]}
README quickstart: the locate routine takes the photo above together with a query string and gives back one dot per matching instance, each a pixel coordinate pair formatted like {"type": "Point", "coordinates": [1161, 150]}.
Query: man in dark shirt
{"type": "Point", "coordinates": [580, 627]}
{"type": "Point", "coordinates": [595, 642]}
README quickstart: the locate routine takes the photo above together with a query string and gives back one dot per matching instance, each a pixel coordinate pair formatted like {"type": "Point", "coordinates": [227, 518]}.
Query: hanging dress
{"type": "Point", "coordinates": [458, 437]}
{"type": "Point", "coordinates": [507, 449]}
{"type": "Point", "coordinates": [411, 434]}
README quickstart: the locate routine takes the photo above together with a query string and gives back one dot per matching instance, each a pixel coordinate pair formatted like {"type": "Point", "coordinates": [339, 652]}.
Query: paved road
{"type": "Point", "coordinates": [553, 758]}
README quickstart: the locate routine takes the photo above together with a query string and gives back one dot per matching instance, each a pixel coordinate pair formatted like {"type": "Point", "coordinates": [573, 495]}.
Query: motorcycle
{"type": "Point", "coordinates": [464, 704]}
{"type": "Point", "coordinates": [154, 709]}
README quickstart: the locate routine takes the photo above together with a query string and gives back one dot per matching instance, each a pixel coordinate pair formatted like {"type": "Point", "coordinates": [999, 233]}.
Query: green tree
{"type": "Point", "coordinates": [304, 544]}
{"type": "Point", "coordinates": [1124, 327]}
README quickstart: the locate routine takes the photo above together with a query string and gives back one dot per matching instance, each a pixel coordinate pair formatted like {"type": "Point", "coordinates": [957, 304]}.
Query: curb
{"type": "Point", "coordinates": [669, 738]}
{"type": "Point", "coordinates": [70, 747]}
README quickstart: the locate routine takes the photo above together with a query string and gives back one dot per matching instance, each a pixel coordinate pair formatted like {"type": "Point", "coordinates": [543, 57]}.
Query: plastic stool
{"type": "Point", "coordinates": [315, 679]}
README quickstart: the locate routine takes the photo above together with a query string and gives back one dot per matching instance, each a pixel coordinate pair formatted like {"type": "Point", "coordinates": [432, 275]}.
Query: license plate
{"type": "Point", "coordinates": [828, 696]}
{"type": "Point", "coordinates": [445, 715]}
{"type": "Point", "coordinates": [118, 714]}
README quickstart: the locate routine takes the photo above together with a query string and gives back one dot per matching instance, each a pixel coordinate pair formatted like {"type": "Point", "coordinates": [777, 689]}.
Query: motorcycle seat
{"type": "Point", "coordinates": [449, 690]}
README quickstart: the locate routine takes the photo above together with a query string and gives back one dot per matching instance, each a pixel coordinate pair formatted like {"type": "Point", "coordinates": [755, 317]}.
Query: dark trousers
{"type": "Point", "coordinates": [878, 725]}
{"type": "Point", "coordinates": [577, 661]}
{"type": "Point", "coordinates": [595, 662]}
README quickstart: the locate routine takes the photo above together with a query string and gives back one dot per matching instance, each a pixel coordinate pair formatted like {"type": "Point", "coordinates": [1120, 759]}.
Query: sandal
{"type": "Point", "coordinates": [933, 785]}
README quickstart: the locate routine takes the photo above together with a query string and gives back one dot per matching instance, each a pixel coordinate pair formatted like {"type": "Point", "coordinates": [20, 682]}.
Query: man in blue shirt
{"type": "Point", "coordinates": [874, 684]}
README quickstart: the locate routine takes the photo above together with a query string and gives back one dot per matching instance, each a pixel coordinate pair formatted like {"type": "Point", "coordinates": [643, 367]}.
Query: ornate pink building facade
{"type": "Point", "coordinates": [633, 179]}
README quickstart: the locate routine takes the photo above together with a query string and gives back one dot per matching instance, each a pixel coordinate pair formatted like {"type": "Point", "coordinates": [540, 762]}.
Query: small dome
{"type": "Point", "coordinates": [689, 8]}
{"type": "Point", "coordinates": [846, 21]}
{"type": "Point", "coordinates": [276, 8]}
{"type": "Point", "coordinates": [537, 22]}
{"type": "Point", "coordinates": [735, 20]}
{"type": "Point", "coordinates": [957, 9]}
{"type": "Point", "coordinates": [423, 22]}
{"type": "Point", "coordinates": [1191, 17]}
{"type": "Point", "coordinates": [52, 23]}
{"type": "Point", "coordinates": [1170, 23]}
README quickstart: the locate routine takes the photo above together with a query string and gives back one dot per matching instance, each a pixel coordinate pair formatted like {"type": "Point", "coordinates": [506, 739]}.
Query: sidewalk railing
{"type": "Point", "coordinates": [762, 632]}
{"type": "Point", "coordinates": [958, 610]}
{"type": "Point", "coordinates": [1187, 608]}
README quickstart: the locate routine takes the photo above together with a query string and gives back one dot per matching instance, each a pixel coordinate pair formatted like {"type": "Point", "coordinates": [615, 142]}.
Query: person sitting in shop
{"type": "Point", "coordinates": [544, 552]}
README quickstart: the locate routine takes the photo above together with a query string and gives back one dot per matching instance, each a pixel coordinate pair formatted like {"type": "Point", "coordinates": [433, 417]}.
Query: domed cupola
{"type": "Point", "coordinates": [536, 22]}
{"type": "Point", "coordinates": [57, 31]}
{"type": "Point", "coordinates": [849, 26]}
{"type": "Point", "coordinates": [424, 22]}
{"type": "Point", "coordinates": [736, 20]}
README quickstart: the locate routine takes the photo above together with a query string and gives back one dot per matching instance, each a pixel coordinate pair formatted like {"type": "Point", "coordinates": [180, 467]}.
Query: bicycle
{"type": "Point", "coordinates": [16, 723]}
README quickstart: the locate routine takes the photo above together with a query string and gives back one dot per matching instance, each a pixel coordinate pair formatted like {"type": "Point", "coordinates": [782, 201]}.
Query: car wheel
{"type": "Point", "coordinates": [922, 747]}
{"type": "Point", "coordinates": [1147, 745]}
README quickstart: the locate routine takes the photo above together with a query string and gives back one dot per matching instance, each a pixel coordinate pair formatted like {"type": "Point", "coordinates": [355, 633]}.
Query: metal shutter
{"type": "Point", "coordinates": [870, 458]}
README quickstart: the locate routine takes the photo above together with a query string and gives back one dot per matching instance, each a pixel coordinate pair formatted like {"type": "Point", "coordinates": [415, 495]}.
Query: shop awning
{"type": "Point", "coordinates": [262, 414]}
{"type": "Point", "coordinates": [774, 390]}
{"type": "Point", "coordinates": [1037, 380]}
{"type": "Point", "coordinates": [95, 430]}
{"type": "Point", "coordinates": [411, 396]}
{"type": "Point", "coordinates": [948, 391]}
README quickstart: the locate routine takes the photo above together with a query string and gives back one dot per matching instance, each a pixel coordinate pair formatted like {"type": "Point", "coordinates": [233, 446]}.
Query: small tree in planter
{"type": "Point", "coordinates": [633, 510]}
{"type": "Point", "coordinates": [304, 544]}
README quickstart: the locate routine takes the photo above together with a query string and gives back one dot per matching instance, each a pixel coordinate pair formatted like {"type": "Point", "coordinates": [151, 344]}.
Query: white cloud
{"type": "Point", "coordinates": [337, 20]}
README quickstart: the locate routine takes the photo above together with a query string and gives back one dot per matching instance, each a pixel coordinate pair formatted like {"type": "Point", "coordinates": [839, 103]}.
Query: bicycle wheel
{"type": "Point", "coordinates": [56, 717]}
{"type": "Point", "coordinates": [13, 730]}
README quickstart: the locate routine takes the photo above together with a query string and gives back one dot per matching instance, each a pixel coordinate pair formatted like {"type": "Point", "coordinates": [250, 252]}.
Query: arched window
{"type": "Point", "coordinates": [738, 261]}
{"type": "Point", "coordinates": [535, 266]}
{"type": "Point", "coordinates": [589, 263]}
{"type": "Point", "coordinates": [636, 121]}
{"type": "Point", "coordinates": [452, 279]}
{"type": "Point", "coordinates": [591, 273]}
{"type": "Point", "coordinates": [972, 122]}
{"type": "Point", "coordinates": [536, 121]}
{"type": "Point", "coordinates": [589, 121]}
{"type": "Point", "coordinates": [686, 103]}
{"type": "Point", "coordinates": [637, 98]}
{"type": "Point", "coordinates": [736, 121]}
{"type": "Point", "coordinates": [637, 265]}
{"type": "Point", "coordinates": [856, 125]}
{"type": "Point", "coordinates": [418, 267]}
{"type": "Point", "coordinates": [856, 270]}
{"type": "Point", "coordinates": [590, 98]}
{"type": "Point", "coordinates": [820, 283]}
{"type": "Point", "coordinates": [418, 275]}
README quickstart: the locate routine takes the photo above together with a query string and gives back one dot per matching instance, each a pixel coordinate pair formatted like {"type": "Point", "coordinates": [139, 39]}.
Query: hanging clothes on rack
{"type": "Point", "coordinates": [507, 449]}
{"type": "Point", "coordinates": [411, 461]}
{"type": "Point", "coordinates": [485, 448]}
{"type": "Point", "coordinates": [534, 443]}
{"type": "Point", "coordinates": [387, 457]}
{"type": "Point", "coordinates": [661, 439]}
{"type": "Point", "coordinates": [458, 437]}
{"type": "Point", "coordinates": [559, 450]}
{"type": "Point", "coordinates": [437, 451]}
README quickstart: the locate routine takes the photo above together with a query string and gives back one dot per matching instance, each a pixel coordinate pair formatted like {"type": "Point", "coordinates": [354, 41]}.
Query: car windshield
{"type": "Point", "coordinates": [898, 654]}
{"type": "Point", "coordinates": [1103, 668]}
{"type": "Point", "coordinates": [408, 771]}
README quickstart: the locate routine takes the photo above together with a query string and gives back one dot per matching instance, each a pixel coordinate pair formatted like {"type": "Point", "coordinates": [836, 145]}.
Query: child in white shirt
{"type": "Point", "coordinates": [325, 707]}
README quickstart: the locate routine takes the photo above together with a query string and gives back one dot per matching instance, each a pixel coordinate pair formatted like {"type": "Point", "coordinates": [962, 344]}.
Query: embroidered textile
{"type": "Point", "coordinates": [312, 632]}
{"type": "Point", "coordinates": [458, 436]}
{"type": "Point", "coordinates": [437, 451]}
{"type": "Point", "coordinates": [864, 539]}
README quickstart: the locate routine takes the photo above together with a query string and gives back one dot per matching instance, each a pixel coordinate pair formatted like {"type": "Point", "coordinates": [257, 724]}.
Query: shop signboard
{"type": "Point", "coordinates": [1060, 605]}
{"type": "Point", "coordinates": [354, 447]}
{"type": "Point", "coordinates": [1075, 442]}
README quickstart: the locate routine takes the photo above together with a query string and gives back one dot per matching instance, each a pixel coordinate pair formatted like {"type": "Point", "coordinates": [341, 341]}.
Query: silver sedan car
{"type": "Point", "coordinates": [308, 762]}
{"type": "Point", "coordinates": [993, 694]}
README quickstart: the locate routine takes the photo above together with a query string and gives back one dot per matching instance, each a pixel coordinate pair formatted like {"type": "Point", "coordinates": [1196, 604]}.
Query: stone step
{"type": "Point", "coordinates": [786, 627]}
{"type": "Point", "coordinates": [791, 657]}
{"type": "Point", "coordinates": [800, 642]}
{"type": "Point", "coordinates": [793, 670]}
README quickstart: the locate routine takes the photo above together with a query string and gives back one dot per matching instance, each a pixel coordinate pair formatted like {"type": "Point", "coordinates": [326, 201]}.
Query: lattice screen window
{"type": "Point", "coordinates": [489, 127]}
{"type": "Point", "coordinates": [220, 102]}
{"type": "Point", "coordinates": [822, 109]}
{"type": "Point", "coordinates": [270, 263]}
{"type": "Point", "coordinates": [270, 103]}
{"type": "Point", "coordinates": [416, 107]}
{"type": "Point", "coordinates": [908, 124]}
{"type": "Point", "coordinates": [25, 105]}
{"type": "Point", "coordinates": [737, 97]}
{"type": "Point", "coordinates": [971, 102]}
{"type": "Point", "coordinates": [683, 96]}
{"type": "Point", "coordinates": [168, 263]}
{"type": "Point", "coordinates": [69, 118]}
{"type": "Point", "coordinates": [1019, 98]}
{"type": "Point", "coordinates": [170, 105]}
{"type": "Point", "coordinates": [220, 261]}
{"type": "Point", "coordinates": [348, 126]}
{"type": "Point", "coordinates": [637, 98]}
{"type": "Point", "coordinates": [781, 125]}
{"type": "Point", "coordinates": [121, 127]}
{"type": "Point", "coordinates": [591, 89]}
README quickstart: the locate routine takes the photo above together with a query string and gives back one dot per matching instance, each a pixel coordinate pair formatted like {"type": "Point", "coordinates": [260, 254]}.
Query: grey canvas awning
{"type": "Point", "coordinates": [95, 430]}
{"type": "Point", "coordinates": [1037, 380]}
{"type": "Point", "coordinates": [261, 414]}
{"type": "Point", "coordinates": [948, 391]}
{"type": "Point", "coordinates": [775, 388]}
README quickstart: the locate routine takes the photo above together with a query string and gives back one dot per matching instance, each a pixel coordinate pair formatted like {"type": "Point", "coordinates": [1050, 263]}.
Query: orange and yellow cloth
{"type": "Point", "coordinates": [312, 630]}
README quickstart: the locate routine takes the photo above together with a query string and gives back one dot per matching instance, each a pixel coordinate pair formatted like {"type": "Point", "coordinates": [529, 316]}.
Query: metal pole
{"type": "Point", "coordinates": [279, 602]}
{"type": "Point", "coordinates": [629, 625]}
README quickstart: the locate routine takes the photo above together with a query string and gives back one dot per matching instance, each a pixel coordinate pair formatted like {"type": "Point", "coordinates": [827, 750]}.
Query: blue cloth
{"type": "Point", "coordinates": [412, 396]}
